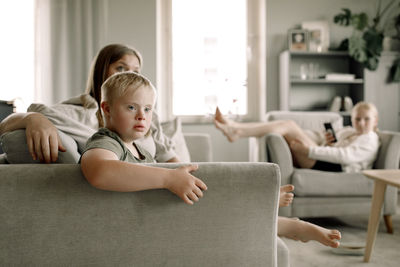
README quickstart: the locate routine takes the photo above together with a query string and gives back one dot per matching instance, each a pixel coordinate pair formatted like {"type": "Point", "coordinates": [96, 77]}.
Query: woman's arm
{"type": "Point", "coordinates": [104, 170]}
{"type": "Point", "coordinates": [41, 135]}
{"type": "Point", "coordinates": [14, 121]}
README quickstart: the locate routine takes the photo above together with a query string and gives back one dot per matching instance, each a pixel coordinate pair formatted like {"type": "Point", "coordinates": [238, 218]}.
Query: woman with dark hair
{"type": "Point", "coordinates": [80, 116]}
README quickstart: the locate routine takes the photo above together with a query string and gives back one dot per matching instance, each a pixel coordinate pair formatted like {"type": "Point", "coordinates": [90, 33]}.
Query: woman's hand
{"type": "Point", "coordinates": [185, 185]}
{"type": "Point", "coordinates": [42, 138]}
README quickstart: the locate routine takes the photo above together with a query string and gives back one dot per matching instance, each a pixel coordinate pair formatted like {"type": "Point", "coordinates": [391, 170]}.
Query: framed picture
{"type": "Point", "coordinates": [318, 35]}
{"type": "Point", "coordinates": [298, 40]}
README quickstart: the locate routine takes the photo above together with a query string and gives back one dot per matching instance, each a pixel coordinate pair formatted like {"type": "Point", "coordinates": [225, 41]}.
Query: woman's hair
{"type": "Point", "coordinates": [117, 85]}
{"type": "Point", "coordinates": [99, 70]}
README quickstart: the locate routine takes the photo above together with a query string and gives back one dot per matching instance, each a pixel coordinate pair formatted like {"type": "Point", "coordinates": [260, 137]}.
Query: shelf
{"type": "Point", "coordinates": [324, 81]}
{"type": "Point", "coordinates": [327, 53]}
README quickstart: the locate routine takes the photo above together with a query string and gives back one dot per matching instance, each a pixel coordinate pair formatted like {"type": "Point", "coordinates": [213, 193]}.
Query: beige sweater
{"type": "Point", "coordinates": [77, 118]}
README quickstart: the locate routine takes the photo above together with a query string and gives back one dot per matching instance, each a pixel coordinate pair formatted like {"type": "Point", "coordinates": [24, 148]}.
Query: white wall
{"type": "Point", "coordinates": [133, 22]}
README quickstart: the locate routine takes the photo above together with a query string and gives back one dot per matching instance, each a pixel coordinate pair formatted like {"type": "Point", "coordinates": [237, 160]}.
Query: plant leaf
{"type": "Point", "coordinates": [374, 40]}
{"type": "Point", "coordinates": [358, 48]}
{"type": "Point", "coordinates": [359, 21]}
{"type": "Point", "coordinates": [343, 18]}
{"type": "Point", "coordinates": [395, 72]}
{"type": "Point", "coordinates": [372, 63]}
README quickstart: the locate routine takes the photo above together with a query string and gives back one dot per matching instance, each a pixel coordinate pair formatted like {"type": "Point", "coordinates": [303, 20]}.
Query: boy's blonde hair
{"type": "Point", "coordinates": [117, 85]}
{"type": "Point", "coordinates": [366, 106]}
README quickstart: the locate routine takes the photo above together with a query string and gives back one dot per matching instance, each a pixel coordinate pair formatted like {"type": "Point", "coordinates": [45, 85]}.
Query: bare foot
{"type": "Point", "coordinates": [226, 126]}
{"type": "Point", "coordinates": [325, 236]}
{"type": "Point", "coordinates": [305, 231]}
{"type": "Point", "coordinates": [285, 195]}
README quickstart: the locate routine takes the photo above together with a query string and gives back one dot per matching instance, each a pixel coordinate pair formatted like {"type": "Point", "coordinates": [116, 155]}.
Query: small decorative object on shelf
{"type": "Point", "coordinates": [298, 40]}
{"type": "Point", "coordinates": [336, 104]}
{"type": "Point", "coordinates": [348, 104]}
{"type": "Point", "coordinates": [318, 35]}
{"type": "Point", "coordinates": [340, 77]}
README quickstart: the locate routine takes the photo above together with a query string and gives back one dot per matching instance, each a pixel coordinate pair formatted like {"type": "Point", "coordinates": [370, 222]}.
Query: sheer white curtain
{"type": "Point", "coordinates": [68, 34]}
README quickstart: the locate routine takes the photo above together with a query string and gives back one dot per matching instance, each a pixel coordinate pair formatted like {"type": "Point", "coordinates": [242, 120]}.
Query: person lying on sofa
{"type": "Point", "coordinates": [80, 117]}
{"type": "Point", "coordinates": [108, 161]}
{"type": "Point", "coordinates": [356, 147]}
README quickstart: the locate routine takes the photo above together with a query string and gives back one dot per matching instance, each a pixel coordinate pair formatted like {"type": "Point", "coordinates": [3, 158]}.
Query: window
{"type": "Point", "coordinates": [17, 68]}
{"type": "Point", "coordinates": [207, 50]}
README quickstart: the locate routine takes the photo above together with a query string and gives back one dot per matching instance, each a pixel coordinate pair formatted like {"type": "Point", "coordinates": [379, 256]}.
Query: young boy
{"type": "Point", "coordinates": [108, 160]}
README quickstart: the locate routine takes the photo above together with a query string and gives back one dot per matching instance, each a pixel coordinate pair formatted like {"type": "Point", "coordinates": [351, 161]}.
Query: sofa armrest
{"type": "Point", "coordinates": [199, 146]}
{"type": "Point", "coordinates": [51, 216]}
{"type": "Point", "coordinates": [16, 149]}
{"type": "Point", "coordinates": [278, 152]}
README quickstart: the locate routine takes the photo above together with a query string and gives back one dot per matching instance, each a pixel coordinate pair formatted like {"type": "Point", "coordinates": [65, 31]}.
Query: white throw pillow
{"type": "Point", "coordinates": [173, 130]}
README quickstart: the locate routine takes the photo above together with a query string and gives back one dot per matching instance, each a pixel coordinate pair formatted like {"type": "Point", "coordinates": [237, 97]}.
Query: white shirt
{"type": "Point", "coordinates": [354, 152]}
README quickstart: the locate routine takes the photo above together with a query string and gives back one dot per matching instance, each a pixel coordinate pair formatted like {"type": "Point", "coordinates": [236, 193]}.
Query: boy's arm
{"type": "Point", "coordinates": [104, 170]}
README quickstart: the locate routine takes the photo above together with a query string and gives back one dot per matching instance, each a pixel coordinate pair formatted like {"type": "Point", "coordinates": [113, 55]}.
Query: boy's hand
{"type": "Point", "coordinates": [330, 140]}
{"type": "Point", "coordinates": [185, 185]}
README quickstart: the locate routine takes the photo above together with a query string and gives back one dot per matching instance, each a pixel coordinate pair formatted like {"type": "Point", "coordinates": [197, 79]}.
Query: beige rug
{"type": "Point", "coordinates": [386, 252]}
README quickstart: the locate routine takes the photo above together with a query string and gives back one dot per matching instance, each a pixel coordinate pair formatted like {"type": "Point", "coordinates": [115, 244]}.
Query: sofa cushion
{"type": "Point", "coordinates": [173, 129]}
{"type": "Point", "coordinates": [16, 149]}
{"type": "Point", "coordinates": [319, 183]}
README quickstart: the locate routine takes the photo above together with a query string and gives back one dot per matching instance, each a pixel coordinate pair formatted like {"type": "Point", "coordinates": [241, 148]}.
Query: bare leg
{"type": "Point", "coordinates": [290, 130]}
{"type": "Point", "coordinates": [300, 155]}
{"type": "Point", "coordinates": [285, 195]}
{"type": "Point", "coordinates": [300, 230]}
{"type": "Point", "coordinates": [235, 130]}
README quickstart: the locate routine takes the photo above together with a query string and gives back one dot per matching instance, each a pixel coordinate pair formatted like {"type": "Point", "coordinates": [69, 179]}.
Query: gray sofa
{"type": "Point", "coordinates": [51, 216]}
{"type": "Point", "coordinates": [323, 194]}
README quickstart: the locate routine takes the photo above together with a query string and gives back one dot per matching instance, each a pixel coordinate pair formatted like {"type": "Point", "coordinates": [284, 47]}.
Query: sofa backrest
{"type": "Point", "coordinates": [307, 119]}
{"type": "Point", "coordinates": [51, 216]}
{"type": "Point", "coordinates": [389, 151]}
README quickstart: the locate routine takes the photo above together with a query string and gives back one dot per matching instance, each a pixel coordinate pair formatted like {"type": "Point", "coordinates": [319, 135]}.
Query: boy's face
{"type": "Point", "coordinates": [130, 114]}
{"type": "Point", "coordinates": [364, 121]}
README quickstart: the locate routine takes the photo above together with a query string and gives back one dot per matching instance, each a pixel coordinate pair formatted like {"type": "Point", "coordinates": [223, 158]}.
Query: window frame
{"type": "Point", "coordinates": [256, 63]}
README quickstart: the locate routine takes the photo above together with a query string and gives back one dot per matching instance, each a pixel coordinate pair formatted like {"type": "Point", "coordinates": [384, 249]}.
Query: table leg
{"type": "Point", "coordinates": [373, 222]}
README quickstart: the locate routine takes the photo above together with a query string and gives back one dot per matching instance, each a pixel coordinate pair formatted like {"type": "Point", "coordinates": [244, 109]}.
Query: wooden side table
{"type": "Point", "coordinates": [382, 179]}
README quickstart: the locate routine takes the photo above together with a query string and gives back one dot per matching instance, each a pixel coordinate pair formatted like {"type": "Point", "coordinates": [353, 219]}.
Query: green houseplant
{"type": "Point", "coordinates": [365, 43]}
{"type": "Point", "coordinates": [395, 69]}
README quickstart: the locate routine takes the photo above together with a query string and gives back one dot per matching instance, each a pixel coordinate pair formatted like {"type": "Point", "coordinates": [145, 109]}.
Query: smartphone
{"type": "Point", "coordinates": [329, 129]}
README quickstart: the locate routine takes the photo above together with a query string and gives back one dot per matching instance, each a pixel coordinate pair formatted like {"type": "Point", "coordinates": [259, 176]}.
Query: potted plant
{"type": "Point", "coordinates": [365, 43]}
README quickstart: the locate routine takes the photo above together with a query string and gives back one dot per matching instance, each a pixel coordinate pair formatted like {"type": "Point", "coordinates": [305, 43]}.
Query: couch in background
{"type": "Point", "coordinates": [324, 194]}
